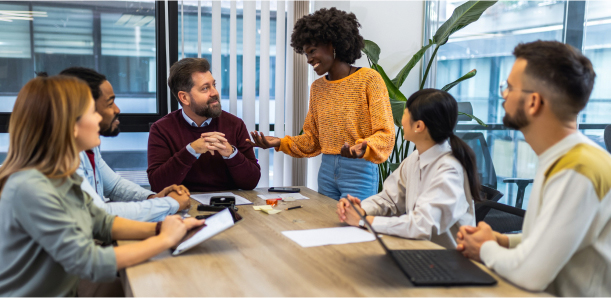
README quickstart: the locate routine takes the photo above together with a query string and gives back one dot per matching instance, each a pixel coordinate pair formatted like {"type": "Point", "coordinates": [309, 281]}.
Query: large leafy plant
{"type": "Point", "coordinates": [462, 16]}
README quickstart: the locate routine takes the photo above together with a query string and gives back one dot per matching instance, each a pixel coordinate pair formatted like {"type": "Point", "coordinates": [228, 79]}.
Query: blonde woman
{"type": "Point", "coordinates": [48, 223]}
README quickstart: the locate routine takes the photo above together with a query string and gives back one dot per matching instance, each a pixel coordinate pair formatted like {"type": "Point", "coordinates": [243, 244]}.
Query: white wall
{"type": "Point", "coordinates": [397, 27]}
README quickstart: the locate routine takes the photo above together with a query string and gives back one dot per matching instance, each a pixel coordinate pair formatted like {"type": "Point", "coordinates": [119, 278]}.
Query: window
{"type": "Point", "coordinates": [116, 38]}
{"type": "Point", "coordinates": [487, 45]}
{"type": "Point", "coordinates": [188, 47]}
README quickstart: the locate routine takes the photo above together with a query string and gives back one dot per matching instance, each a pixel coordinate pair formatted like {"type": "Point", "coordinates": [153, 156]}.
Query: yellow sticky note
{"type": "Point", "coordinates": [263, 207]}
{"type": "Point", "coordinates": [271, 211]}
{"type": "Point", "coordinates": [288, 199]}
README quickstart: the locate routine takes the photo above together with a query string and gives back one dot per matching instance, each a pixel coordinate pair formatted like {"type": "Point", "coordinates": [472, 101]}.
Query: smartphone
{"type": "Point", "coordinates": [283, 189]}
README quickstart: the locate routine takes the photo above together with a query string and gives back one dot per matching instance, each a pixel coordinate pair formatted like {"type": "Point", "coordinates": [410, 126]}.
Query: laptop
{"type": "Point", "coordinates": [214, 225]}
{"type": "Point", "coordinates": [440, 267]}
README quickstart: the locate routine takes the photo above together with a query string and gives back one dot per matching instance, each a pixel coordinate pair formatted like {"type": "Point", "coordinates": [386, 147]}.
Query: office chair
{"type": "Point", "coordinates": [485, 168]}
{"type": "Point", "coordinates": [608, 138]}
{"type": "Point", "coordinates": [501, 218]}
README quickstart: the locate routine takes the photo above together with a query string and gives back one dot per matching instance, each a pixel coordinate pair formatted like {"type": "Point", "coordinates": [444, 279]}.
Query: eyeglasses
{"type": "Point", "coordinates": [504, 89]}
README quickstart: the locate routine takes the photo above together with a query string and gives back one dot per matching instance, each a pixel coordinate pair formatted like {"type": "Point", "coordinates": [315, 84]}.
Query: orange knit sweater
{"type": "Point", "coordinates": [353, 109]}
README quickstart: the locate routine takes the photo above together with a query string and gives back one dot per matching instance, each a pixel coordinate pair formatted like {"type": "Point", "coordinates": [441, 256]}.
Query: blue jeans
{"type": "Point", "coordinates": [339, 176]}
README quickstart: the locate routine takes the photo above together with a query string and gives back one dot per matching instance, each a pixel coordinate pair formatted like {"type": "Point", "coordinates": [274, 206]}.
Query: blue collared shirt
{"type": "Point", "coordinates": [206, 123]}
{"type": "Point", "coordinates": [119, 196]}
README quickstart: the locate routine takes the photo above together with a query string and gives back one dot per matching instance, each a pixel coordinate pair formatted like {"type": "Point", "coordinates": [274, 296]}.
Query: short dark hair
{"type": "Point", "coordinates": [563, 70]}
{"type": "Point", "coordinates": [181, 74]}
{"type": "Point", "coordinates": [93, 78]}
{"type": "Point", "coordinates": [334, 26]}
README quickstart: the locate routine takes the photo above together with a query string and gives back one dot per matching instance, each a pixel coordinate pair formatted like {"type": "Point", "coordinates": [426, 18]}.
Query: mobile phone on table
{"type": "Point", "coordinates": [283, 189]}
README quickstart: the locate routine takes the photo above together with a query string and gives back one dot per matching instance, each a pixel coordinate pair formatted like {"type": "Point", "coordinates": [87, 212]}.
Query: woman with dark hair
{"type": "Point", "coordinates": [432, 192]}
{"type": "Point", "coordinates": [349, 119]}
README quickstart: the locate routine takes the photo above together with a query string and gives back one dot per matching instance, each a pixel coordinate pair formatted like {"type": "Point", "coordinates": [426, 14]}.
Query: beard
{"type": "Point", "coordinates": [205, 110]}
{"type": "Point", "coordinates": [109, 131]}
{"type": "Point", "coordinates": [518, 120]}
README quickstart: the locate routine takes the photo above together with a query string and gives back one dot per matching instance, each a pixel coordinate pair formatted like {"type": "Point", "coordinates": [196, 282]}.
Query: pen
{"type": "Point", "coordinates": [291, 208]}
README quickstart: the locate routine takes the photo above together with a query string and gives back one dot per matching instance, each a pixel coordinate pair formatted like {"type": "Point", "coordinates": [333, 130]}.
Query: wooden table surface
{"type": "Point", "coordinates": [253, 258]}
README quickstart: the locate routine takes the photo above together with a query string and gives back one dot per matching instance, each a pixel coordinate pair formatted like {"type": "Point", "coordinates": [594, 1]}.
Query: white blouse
{"type": "Point", "coordinates": [427, 197]}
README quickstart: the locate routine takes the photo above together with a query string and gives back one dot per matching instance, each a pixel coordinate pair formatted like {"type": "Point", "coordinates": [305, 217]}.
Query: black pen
{"type": "Point", "coordinates": [291, 208]}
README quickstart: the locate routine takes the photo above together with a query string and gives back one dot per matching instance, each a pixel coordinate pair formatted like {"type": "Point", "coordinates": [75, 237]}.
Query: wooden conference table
{"type": "Point", "coordinates": [253, 258]}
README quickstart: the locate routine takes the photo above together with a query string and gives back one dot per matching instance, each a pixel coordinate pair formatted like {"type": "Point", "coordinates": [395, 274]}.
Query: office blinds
{"type": "Point", "coordinates": [245, 42]}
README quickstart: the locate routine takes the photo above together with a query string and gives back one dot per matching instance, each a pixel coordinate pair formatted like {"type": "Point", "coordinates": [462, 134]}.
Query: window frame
{"type": "Point", "coordinates": [573, 32]}
{"type": "Point", "coordinates": [131, 122]}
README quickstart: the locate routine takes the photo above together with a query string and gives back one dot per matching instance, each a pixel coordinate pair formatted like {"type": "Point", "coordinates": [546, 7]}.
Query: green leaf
{"type": "Point", "coordinates": [394, 166]}
{"type": "Point", "coordinates": [402, 75]}
{"type": "Point", "coordinates": [372, 50]}
{"type": "Point", "coordinates": [462, 16]}
{"type": "Point", "coordinates": [479, 121]}
{"type": "Point", "coordinates": [463, 78]}
{"type": "Point", "coordinates": [397, 107]}
{"type": "Point", "coordinates": [393, 91]}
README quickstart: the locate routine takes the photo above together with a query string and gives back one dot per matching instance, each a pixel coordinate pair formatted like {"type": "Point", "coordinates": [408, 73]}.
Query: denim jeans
{"type": "Point", "coordinates": [339, 176]}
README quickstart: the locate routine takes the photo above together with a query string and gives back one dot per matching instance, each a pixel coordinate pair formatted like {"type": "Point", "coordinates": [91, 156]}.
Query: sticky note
{"type": "Point", "coordinates": [271, 211]}
{"type": "Point", "coordinates": [263, 207]}
{"type": "Point", "coordinates": [289, 199]}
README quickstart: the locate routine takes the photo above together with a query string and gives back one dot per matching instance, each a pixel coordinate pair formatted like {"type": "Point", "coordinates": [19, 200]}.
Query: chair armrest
{"type": "Point", "coordinates": [518, 180]}
{"type": "Point", "coordinates": [505, 208]}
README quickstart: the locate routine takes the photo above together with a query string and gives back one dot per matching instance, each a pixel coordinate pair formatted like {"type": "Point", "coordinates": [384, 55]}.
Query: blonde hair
{"type": "Point", "coordinates": [41, 128]}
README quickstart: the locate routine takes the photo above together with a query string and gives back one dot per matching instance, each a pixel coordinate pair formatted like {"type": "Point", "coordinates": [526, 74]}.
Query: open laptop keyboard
{"type": "Point", "coordinates": [422, 266]}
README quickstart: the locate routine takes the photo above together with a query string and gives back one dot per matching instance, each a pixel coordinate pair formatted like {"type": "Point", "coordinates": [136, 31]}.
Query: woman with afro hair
{"type": "Point", "coordinates": [349, 119]}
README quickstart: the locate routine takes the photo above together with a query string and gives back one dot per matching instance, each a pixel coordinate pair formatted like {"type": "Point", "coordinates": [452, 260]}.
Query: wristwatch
{"type": "Point", "coordinates": [361, 223]}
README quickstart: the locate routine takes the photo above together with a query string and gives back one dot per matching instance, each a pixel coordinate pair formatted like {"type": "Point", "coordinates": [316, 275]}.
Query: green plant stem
{"type": "Point", "coordinates": [426, 73]}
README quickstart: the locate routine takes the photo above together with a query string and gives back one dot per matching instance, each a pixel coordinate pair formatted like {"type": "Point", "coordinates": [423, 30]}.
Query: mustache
{"type": "Point", "coordinates": [213, 99]}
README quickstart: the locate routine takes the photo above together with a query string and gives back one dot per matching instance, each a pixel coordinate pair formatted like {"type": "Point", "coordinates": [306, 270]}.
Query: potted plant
{"type": "Point", "coordinates": [462, 16]}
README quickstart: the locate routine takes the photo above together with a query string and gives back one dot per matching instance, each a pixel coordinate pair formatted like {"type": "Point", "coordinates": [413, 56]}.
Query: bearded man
{"type": "Point", "coordinates": [200, 146]}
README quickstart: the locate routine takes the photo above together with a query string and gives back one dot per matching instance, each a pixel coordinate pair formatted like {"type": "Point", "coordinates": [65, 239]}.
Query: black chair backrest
{"type": "Point", "coordinates": [608, 137]}
{"type": "Point", "coordinates": [501, 218]}
{"type": "Point", "coordinates": [466, 108]}
{"type": "Point", "coordinates": [485, 168]}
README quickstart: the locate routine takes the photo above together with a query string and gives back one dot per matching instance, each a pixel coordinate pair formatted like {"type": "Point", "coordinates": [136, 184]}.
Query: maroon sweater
{"type": "Point", "coordinates": [169, 161]}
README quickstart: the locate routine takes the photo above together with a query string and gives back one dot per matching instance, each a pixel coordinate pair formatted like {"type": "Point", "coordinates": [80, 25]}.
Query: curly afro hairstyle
{"type": "Point", "coordinates": [334, 26]}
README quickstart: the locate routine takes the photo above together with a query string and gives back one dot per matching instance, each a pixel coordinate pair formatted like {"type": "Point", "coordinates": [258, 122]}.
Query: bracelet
{"type": "Point", "coordinates": [158, 228]}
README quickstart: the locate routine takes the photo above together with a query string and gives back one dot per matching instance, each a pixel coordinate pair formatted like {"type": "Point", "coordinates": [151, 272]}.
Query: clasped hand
{"type": "Point", "coordinates": [211, 142]}
{"type": "Point", "coordinates": [346, 213]}
{"type": "Point", "coordinates": [177, 192]}
{"type": "Point", "coordinates": [356, 151]}
{"type": "Point", "coordinates": [470, 239]}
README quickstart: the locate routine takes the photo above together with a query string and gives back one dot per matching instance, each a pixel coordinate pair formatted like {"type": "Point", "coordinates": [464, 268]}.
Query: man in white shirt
{"type": "Point", "coordinates": [565, 245]}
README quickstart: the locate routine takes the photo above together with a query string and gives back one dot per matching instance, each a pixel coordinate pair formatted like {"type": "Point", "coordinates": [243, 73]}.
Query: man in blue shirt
{"type": "Point", "coordinates": [116, 195]}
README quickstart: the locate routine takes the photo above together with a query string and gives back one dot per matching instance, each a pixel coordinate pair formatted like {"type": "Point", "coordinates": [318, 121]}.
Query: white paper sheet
{"type": "Point", "coordinates": [205, 198]}
{"type": "Point", "coordinates": [214, 225]}
{"type": "Point", "coordinates": [287, 197]}
{"type": "Point", "coordinates": [319, 237]}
